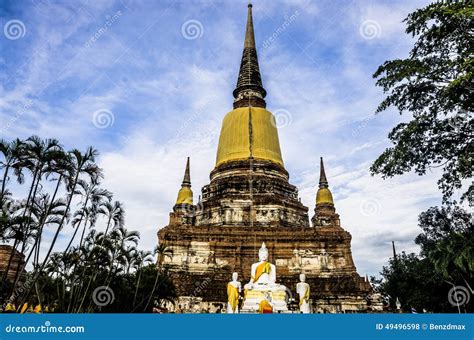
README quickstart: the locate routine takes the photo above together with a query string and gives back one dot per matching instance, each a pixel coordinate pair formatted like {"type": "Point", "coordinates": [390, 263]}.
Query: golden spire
{"type": "Point", "coordinates": [185, 194]}
{"type": "Point", "coordinates": [324, 194]}
{"type": "Point", "coordinates": [249, 130]}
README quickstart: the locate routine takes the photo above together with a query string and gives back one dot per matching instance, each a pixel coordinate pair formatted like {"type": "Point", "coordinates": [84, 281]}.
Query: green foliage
{"type": "Point", "coordinates": [65, 281]}
{"type": "Point", "coordinates": [439, 223]}
{"type": "Point", "coordinates": [434, 84]}
{"type": "Point", "coordinates": [417, 284]}
{"type": "Point", "coordinates": [447, 259]}
{"type": "Point", "coordinates": [448, 241]}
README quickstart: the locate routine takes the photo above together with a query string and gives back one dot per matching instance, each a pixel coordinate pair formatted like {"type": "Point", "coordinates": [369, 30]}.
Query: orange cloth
{"type": "Point", "coordinates": [265, 307]}
{"type": "Point", "coordinates": [305, 296]}
{"type": "Point", "coordinates": [232, 296]}
{"type": "Point", "coordinates": [262, 268]}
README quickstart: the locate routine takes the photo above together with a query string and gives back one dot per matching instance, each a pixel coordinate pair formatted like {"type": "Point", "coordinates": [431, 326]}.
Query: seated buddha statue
{"type": "Point", "coordinates": [262, 273]}
{"type": "Point", "coordinates": [263, 286]}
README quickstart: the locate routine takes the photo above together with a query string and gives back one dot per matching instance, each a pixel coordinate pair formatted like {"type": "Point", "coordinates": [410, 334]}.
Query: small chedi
{"type": "Point", "coordinates": [249, 200]}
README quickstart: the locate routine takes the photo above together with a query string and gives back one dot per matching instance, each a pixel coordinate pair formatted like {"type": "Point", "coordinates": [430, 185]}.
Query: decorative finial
{"type": "Point", "coordinates": [263, 246]}
{"type": "Point", "coordinates": [187, 175]}
{"type": "Point", "coordinates": [394, 251]}
{"type": "Point", "coordinates": [249, 5]}
{"type": "Point", "coordinates": [185, 194]}
{"type": "Point", "coordinates": [249, 90]}
{"type": "Point", "coordinates": [323, 182]}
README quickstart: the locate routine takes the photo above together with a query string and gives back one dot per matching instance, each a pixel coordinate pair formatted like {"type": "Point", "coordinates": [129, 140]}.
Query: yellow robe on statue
{"type": "Point", "coordinates": [10, 308]}
{"type": "Point", "coordinates": [232, 296]}
{"type": "Point", "coordinates": [265, 307]}
{"type": "Point", "coordinates": [305, 296]}
{"type": "Point", "coordinates": [262, 268]}
{"type": "Point", "coordinates": [23, 308]}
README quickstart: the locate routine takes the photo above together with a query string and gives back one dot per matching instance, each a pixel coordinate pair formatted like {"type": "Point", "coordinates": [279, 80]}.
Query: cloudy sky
{"type": "Point", "coordinates": [148, 83]}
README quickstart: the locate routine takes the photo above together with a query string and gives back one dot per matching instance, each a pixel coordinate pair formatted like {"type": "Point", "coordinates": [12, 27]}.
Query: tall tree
{"type": "Point", "coordinates": [11, 152]}
{"type": "Point", "coordinates": [435, 84]}
{"type": "Point", "coordinates": [114, 213]}
{"type": "Point", "coordinates": [81, 164]}
{"type": "Point", "coordinates": [161, 251]}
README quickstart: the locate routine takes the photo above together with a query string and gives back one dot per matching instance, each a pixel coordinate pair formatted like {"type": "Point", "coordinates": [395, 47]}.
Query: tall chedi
{"type": "Point", "coordinates": [249, 200]}
{"type": "Point", "coordinates": [249, 184]}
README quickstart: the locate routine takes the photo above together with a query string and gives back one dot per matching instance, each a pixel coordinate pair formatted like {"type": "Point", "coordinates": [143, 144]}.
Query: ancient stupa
{"type": "Point", "coordinates": [249, 200]}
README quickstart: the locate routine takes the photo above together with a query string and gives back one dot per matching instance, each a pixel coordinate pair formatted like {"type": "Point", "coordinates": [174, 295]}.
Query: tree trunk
{"type": "Point", "coordinates": [136, 289]}
{"type": "Point", "coordinates": [21, 227]}
{"type": "Point", "coordinates": [36, 245]}
{"type": "Point", "coordinates": [45, 261]}
{"type": "Point", "coordinates": [5, 176]}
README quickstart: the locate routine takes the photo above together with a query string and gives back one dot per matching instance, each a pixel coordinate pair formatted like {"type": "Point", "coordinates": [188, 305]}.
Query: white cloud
{"type": "Point", "coordinates": [169, 95]}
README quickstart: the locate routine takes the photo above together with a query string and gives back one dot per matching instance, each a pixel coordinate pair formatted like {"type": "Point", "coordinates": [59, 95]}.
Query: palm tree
{"type": "Point", "coordinates": [141, 258]}
{"type": "Point", "coordinates": [121, 237]}
{"type": "Point", "coordinates": [59, 164]}
{"type": "Point", "coordinates": [36, 156]}
{"type": "Point", "coordinates": [93, 198]}
{"type": "Point", "coordinates": [46, 212]}
{"type": "Point", "coordinates": [11, 153]}
{"type": "Point", "coordinates": [161, 251]}
{"type": "Point", "coordinates": [114, 213]}
{"type": "Point", "coordinates": [81, 164]}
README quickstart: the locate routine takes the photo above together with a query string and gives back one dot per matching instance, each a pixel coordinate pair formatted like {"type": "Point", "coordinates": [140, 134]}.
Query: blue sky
{"type": "Point", "coordinates": [148, 83]}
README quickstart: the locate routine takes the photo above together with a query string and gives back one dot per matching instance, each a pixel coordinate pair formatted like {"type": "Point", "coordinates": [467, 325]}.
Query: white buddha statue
{"type": "Point", "coordinates": [302, 289]}
{"type": "Point", "coordinates": [233, 292]}
{"type": "Point", "coordinates": [263, 284]}
{"type": "Point", "coordinates": [263, 273]}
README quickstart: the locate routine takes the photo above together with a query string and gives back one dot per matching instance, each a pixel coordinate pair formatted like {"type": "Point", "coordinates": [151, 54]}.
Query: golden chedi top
{"type": "Point", "coordinates": [324, 194]}
{"type": "Point", "coordinates": [249, 131]}
{"type": "Point", "coordinates": [185, 194]}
